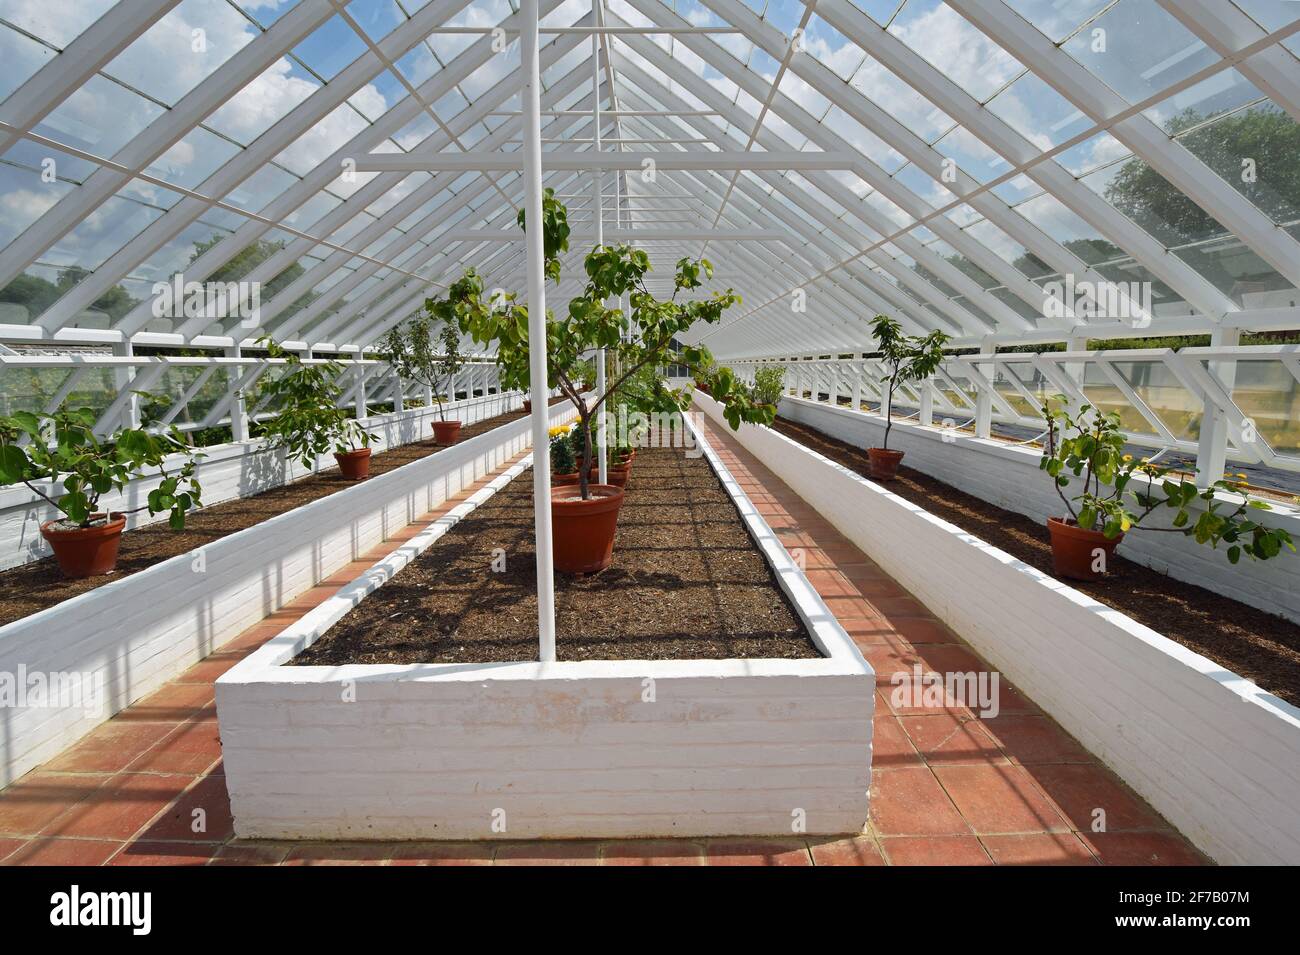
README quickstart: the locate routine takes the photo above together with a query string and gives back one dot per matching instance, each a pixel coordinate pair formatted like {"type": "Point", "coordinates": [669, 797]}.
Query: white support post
{"type": "Point", "coordinates": [927, 403]}
{"type": "Point", "coordinates": [857, 387]}
{"type": "Point", "coordinates": [1212, 448]}
{"type": "Point", "coordinates": [530, 96]}
{"type": "Point", "coordinates": [597, 181]}
{"type": "Point", "coordinates": [239, 406]}
{"type": "Point", "coordinates": [398, 403]}
{"type": "Point", "coordinates": [122, 380]}
{"type": "Point", "coordinates": [360, 393]}
{"type": "Point", "coordinates": [833, 388]}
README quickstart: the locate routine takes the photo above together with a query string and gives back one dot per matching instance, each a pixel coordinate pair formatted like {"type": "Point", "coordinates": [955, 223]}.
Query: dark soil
{"type": "Point", "coordinates": [687, 583]}
{"type": "Point", "coordinates": [1258, 645]}
{"type": "Point", "coordinates": [33, 587]}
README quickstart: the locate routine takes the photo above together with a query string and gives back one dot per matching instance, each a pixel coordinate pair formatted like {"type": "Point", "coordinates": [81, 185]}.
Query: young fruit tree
{"type": "Point", "coordinates": [638, 338]}
{"type": "Point", "coordinates": [906, 358]}
{"type": "Point", "coordinates": [409, 349]}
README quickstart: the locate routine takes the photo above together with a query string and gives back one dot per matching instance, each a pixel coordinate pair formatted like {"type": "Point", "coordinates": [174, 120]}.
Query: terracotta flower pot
{"type": "Point", "coordinates": [617, 475]}
{"type": "Point", "coordinates": [355, 465]}
{"type": "Point", "coordinates": [583, 531]}
{"type": "Point", "coordinates": [561, 480]}
{"type": "Point", "coordinates": [528, 406]}
{"type": "Point", "coordinates": [446, 432]}
{"type": "Point", "coordinates": [884, 463]}
{"type": "Point", "coordinates": [1080, 554]}
{"type": "Point", "coordinates": [86, 551]}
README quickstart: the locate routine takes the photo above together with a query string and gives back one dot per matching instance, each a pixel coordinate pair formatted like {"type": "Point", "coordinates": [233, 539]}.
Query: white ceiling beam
{"type": "Point", "coordinates": [479, 161]}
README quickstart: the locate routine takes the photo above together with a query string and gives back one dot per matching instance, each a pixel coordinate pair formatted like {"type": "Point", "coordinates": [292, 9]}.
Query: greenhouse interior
{"type": "Point", "coordinates": [649, 432]}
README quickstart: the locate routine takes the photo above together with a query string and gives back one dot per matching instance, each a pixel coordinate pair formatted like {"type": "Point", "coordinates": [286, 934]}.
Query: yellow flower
{"type": "Point", "coordinates": [559, 430]}
{"type": "Point", "coordinates": [1128, 457]}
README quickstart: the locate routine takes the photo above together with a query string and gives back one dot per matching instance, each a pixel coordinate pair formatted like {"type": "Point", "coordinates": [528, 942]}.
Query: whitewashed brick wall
{"type": "Point", "coordinates": [1218, 757]}
{"type": "Point", "coordinates": [139, 631]}
{"type": "Point", "coordinates": [1008, 476]}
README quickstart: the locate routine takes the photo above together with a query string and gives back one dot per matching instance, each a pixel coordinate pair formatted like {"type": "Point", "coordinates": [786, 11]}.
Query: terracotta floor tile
{"type": "Point", "coordinates": [202, 814]}
{"type": "Point", "coordinates": [442, 854]}
{"type": "Point", "coordinates": [890, 745]}
{"type": "Point", "coordinates": [547, 853]}
{"type": "Point", "coordinates": [1142, 848]}
{"type": "Point", "coordinates": [999, 798]}
{"type": "Point", "coordinates": [1078, 790]}
{"type": "Point", "coordinates": [164, 853]}
{"type": "Point", "coordinates": [110, 747]}
{"type": "Point", "coordinates": [121, 807]}
{"type": "Point", "coordinates": [339, 853]}
{"type": "Point", "coordinates": [924, 630]}
{"type": "Point", "coordinates": [652, 852]}
{"type": "Point", "coordinates": [858, 850]}
{"type": "Point", "coordinates": [65, 852]}
{"type": "Point", "coordinates": [191, 749]}
{"type": "Point", "coordinates": [1034, 739]}
{"type": "Point", "coordinates": [894, 607]}
{"type": "Point", "coordinates": [943, 737]}
{"type": "Point", "coordinates": [831, 583]}
{"type": "Point", "coordinates": [934, 850]}
{"type": "Point", "coordinates": [9, 846]}
{"type": "Point", "coordinates": [1052, 848]}
{"type": "Point", "coordinates": [758, 852]}
{"type": "Point", "coordinates": [175, 702]}
{"type": "Point", "coordinates": [251, 853]}
{"type": "Point", "coordinates": [33, 802]}
{"type": "Point", "coordinates": [910, 802]}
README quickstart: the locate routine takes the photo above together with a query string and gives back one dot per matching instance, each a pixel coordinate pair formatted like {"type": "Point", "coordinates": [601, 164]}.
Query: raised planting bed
{"type": "Point", "coordinates": [33, 587]}
{"type": "Point", "coordinates": [703, 688]}
{"type": "Point", "coordinates": [1261, 646]}
{"type": "Point", "coordinates": [1212, 752]}
{"type": "Point", "coordinates": [133, 633]}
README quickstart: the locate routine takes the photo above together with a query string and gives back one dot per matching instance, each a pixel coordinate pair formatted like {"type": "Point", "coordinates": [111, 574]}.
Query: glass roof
{"type": "Point", "coordinates": [991, 147]}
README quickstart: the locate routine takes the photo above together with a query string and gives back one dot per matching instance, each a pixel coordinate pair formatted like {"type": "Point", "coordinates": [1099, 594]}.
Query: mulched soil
{"type": "Point", "coordinates": [33, 587]}
{"type": "Point", "coordinates": [686, 583]}
{"type": "Point", "coordinates": [1258, 645]}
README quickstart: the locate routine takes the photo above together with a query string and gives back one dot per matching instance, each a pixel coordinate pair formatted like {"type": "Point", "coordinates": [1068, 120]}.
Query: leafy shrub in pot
{"type": "Point", "coordinates": [62, 447]}
{"type": "Point", "coordinates": [1117, 494]}
{"type": "Point", "coordinates": [409, 350]}
{"type": "Point", "coordinates": [907, 358]}
{"type": "Point", "coordinates": [308, 418]}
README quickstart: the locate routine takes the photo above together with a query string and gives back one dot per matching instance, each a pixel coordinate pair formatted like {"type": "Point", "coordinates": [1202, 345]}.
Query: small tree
{"type": "Point", "coordinates": [63, 447]}
{"type": "Point", "coordinates": [769, 384]}
{"type": "Point", "coordinates": [409, 350]}
{"type": "Point", "coordinates": [640, 338]}
{"type": "Point", "coordinates": [309, 419]}
{"type": "Point", "coordinates": [908, 358]}
{"type": "Point", "coordinates": [1090, 445]}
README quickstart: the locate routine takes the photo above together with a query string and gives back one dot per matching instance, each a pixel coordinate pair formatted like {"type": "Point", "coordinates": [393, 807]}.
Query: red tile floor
{"type": "Point", "coordinates": [948, 788]}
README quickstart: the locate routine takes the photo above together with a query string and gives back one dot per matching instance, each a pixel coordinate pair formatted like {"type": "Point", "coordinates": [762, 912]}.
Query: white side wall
{"type": "Point", "coordinates": [228, 471]}
{"type": "Point", "coordinates": [1211, 751]}
{"type": "Point", "coordinates": [561, 750]}
{"type": "Point", "coordinates": [1008, 476]}
{"type": "Point", "coordinates": [139, 631]}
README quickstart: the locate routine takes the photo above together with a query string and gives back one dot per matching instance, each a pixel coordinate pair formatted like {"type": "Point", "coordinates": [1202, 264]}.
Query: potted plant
{"type": "Point", "coordinates": [585, 516]}
{"type": "Point", "coordinates": [1088, 446]}
{"type": "Point", "coordinates": [62, 447]}
{"type": "Point", "coordinates": [769, 384]}
{"type": "Point", "coordinates": [907, 358]}
{"type": "Point", "coordinates": [409, 350]}
{"type": "Point", "coordinates": [309, 419]}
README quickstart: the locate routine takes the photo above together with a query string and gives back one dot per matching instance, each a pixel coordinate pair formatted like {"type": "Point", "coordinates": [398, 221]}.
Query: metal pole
{"type": "Point", "coordinates": [532, 106]}
{"type": "Point", "coordinates": [597, 180]}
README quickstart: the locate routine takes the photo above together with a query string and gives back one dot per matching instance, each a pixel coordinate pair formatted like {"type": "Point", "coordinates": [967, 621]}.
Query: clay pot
{"type": "Point", "coordinates": [446, 432]}
{"type": "Point", "coordinates": [86, 551]}
{"type": "Point", "coordinates": [561, 480]}
{"type": "Point", "coordinates": [884, 463]}
{"type": "Point", "coordinates": [528, 406]}
{"type": "Point", "coordinates": [583, 531]}
{"type": "Point", "coordinates": [1074, 550]}
{"type": "Point", "coordinates": [355, 465]}
{"type": "Point", "coordinates": [617, 474]}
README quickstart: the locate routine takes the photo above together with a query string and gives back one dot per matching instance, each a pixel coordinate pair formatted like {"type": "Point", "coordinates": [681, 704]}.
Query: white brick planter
{"type": "Point", "coordinates": [561, 750]}
{"type": "Point", "coordinates": [1210, 750]}
{"type": "Point", "coordinates": [135, 633]}
{"type": "Point", "coordinates": [1008, 476]}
